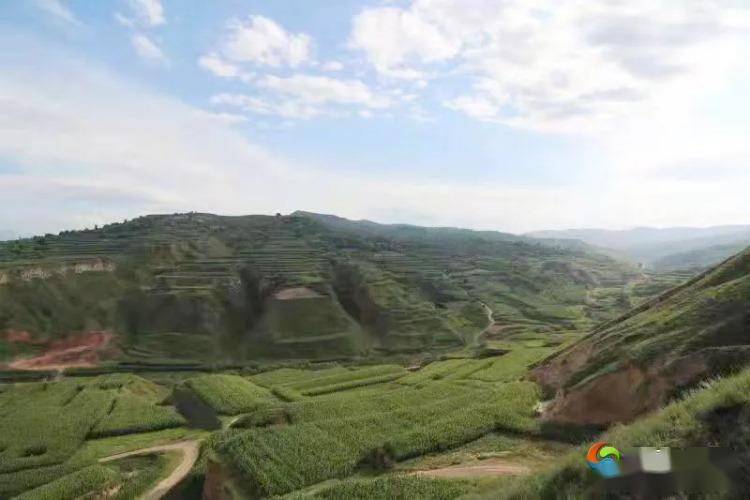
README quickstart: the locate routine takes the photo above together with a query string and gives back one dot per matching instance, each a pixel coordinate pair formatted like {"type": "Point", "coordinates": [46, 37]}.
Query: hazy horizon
{"type": "Point", "coordinates": [509, 116]}
{"type": "Point", "coordinates": [16, 234]}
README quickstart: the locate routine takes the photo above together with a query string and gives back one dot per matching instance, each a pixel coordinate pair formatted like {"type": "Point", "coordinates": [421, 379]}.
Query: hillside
{"type": "Point", "coordinates": [664, 249]}
{"type": "Point", "coordinates": [299, 286]}
{"type": "Point", "coordinates": [701, 258]}
{"type": "Point", "coordinates": [637, 362]}
{"type": "Point", "coordinates": [714, 416]}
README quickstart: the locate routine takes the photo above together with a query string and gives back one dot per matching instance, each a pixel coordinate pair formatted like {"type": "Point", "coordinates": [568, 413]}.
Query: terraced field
{"type": "Point", "coordinates": [292, 427]}
{"type": "Point", "coordinates": [298, 286]}
{"type": "Point", "coordinates": [332, 435]}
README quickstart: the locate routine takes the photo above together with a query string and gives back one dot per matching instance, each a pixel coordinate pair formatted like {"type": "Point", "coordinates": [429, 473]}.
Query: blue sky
{"type": "Point", "coordinates": [513, 115]}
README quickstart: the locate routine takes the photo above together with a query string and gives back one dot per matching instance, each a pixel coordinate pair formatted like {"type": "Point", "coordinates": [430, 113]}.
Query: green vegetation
{"type": "Point", "coordinates": [691, 332]}
{"type": "Point", "coordinates": [348, 380]}
{"type": "Point", "coordinates": [715, 414]}
{"type": "Point", "coordinates": [77, 484]}
{"type": "Point", "coordinates": [43, 424]}
{"type": "Point", "coordinates": [287, 376]}
{"type": "Point", "coordinates": [513, 365]}
{"type": "Point", "coordinates": [228, 394]}
{"type": "Point", "coordinates": [436, 371]}
{"type": "Point", "coordinates": [331, 436]}
{"type": "Point", "coordinates": [315, 301]}
{"type": "Point", "coordinates": [141, 473]}
{"type": "Point", "coordinates": [47, 431]}
{"type": "Point", "coordinates": [132, 414]}
{"type": "Point", "coordinates": [205, 288]}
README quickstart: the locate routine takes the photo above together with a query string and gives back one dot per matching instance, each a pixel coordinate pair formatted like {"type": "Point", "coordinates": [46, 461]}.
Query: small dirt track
{"type": "Point", "coordinates": [189, 451]}
{"type": "Point", "coordinates": [492, 467]}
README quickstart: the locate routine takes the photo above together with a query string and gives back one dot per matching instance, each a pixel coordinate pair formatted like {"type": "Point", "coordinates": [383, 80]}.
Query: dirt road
{"type": "Point", "coordinates": [490, 467]}
{"type": "Point", "coordinates": [189, 451]}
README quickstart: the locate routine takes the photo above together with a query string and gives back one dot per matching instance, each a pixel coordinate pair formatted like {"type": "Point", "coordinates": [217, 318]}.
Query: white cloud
{"type": "Point", "coordinates": [261, 41]}
{"type": "Point", "coordinates": [147, 49]}
{"type": "Point", "coordinates": [323, 90]}
{"type": "Point", "coordinates": [58, 10]}
{"type": "Point", "coordinates": [306, 96]}
{"type": "Point", "coordinates": [123, 20]}
{"type": "Point", "coordinates": [289, 109]}
{"type": "Point", "coordinates": [149, 12]}
{"type": "Point", "coordinates": [393, 37]}
{"type": "Point", "coordinates": [332, 66]}
{"type": "Point", "coordinates": [218, 66]}
{"type": "Point", "coordinates": [568, 66]}
{"type": "Point", "coordinates": [474, 106]}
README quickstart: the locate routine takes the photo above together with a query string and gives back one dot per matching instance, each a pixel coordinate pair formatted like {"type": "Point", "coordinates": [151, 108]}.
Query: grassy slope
{"type": "Point", "coordinates": [696, 330]}
{"type": "Point", "coordinates": [201, 287]}
{"type": "Point", "coordinates": [716, 415]}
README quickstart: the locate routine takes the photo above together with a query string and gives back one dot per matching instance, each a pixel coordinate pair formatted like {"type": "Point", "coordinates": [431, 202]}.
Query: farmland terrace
{"type": "Point", "coordinates": [302, 286]}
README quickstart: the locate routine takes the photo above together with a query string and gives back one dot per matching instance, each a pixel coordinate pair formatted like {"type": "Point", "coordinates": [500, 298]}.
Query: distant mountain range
{"type": "Point", "coordinates": [666, 248]}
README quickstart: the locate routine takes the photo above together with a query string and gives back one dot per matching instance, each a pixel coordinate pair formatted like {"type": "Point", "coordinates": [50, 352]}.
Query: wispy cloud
{"type": "Point", "coordinates": [147, 49]}
{"type": "Point", "coordinates": [149, 12]}
{"type": "Point", "coordinates": [58, 10]}
{"type": "Point", "coordinates": [261, 41]}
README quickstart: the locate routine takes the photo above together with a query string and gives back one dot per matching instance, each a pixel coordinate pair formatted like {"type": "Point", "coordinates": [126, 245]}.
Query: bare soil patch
{"type": "Point", "coordinates": [490, 467]}
{"type": "Point", "coordinates": [82, 350]}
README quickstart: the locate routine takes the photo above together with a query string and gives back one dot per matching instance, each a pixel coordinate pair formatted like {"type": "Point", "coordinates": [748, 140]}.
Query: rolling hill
{"type": "Point", "coordinates": [640, 360]}
{"type": "Point", "coordinates": [201, 287]}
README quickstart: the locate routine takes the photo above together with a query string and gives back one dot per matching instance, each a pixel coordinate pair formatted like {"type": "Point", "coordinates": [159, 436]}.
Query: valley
{"type": "Point", "coordinates": [309, 356]}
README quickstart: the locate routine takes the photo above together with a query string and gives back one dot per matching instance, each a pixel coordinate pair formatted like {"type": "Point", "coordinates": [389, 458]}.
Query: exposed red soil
{"type": "Point", "coordinates": [556, 371]}
{"type": "Point", "coordinates": [76, 351]}
{"type": "Point", "coordinates": [20, 337]}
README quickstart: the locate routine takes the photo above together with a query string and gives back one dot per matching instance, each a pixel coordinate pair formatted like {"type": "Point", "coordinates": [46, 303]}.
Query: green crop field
{"type": "Point", "coordinates": [49, 431]}
{"type": "Point", "coordinates": [331, 436]}
{"type": "Point", "coordinates": [228, 394]}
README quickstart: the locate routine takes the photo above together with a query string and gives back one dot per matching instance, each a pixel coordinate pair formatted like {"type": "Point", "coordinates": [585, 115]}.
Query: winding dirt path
{"type": "Point", "coordinates": [491, 467]}
{"type": "Point", "coordinates": [189, 451]}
